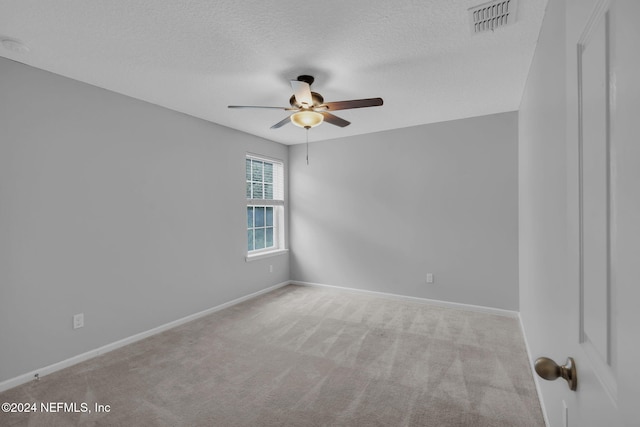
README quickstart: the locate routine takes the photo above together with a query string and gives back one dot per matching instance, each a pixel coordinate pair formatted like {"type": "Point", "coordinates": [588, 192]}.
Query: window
{"type": "Point", "coordinates": [265, 205]}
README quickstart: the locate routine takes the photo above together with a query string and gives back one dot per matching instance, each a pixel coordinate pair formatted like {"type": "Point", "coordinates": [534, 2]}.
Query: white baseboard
{"type": "Point", "coordinates": [24, 378]}
{"type": "Point", "coordinates": [458, 306]}
{"type": "Point", "coordinates": [536, 380]}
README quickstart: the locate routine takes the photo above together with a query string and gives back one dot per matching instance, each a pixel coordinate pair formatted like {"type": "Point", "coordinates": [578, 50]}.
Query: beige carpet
{"type": "Point", "coordinates": [303, 356]}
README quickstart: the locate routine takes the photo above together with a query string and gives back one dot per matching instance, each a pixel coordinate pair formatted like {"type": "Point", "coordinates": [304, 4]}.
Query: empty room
{"type": "Point", "coordinates": [359, 213]}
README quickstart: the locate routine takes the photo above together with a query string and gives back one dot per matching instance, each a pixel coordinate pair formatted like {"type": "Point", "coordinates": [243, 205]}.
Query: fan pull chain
{"type": "Point", "coordinates": [307, 145]}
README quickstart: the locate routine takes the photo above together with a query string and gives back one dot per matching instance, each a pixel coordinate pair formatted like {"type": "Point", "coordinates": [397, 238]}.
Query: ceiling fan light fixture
{"type": "Point", "coordinates": [306, 119]}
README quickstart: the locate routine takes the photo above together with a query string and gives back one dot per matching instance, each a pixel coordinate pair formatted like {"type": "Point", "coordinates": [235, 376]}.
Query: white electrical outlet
{"type": "Point", "coordinates": [78, 320]}
{"type": "Point", "coordinates": [429, 277]}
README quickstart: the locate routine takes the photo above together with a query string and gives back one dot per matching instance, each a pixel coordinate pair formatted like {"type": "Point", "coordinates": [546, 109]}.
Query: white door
{"type": "Point", "coordinates": [603, 72]}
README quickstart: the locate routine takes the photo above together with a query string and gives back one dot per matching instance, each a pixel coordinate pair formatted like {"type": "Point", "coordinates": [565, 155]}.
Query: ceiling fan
{"type": "Point", "coordinates": [309, 108]}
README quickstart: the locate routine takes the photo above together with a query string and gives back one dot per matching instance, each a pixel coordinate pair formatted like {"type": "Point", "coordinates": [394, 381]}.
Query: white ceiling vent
{"type": "Point", "coordinates": [492, 15]}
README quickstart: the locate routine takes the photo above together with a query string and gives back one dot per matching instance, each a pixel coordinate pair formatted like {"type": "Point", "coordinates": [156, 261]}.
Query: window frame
{"type": "Point", "coordinates": [277, 203]}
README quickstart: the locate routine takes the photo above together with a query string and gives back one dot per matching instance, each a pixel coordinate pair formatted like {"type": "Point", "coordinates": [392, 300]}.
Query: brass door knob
{"type": "Point", "coordinates": [549, 370]}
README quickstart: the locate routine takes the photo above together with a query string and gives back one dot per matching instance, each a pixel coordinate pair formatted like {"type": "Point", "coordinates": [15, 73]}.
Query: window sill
{"type": "Point", "coordinates": [269, 254]}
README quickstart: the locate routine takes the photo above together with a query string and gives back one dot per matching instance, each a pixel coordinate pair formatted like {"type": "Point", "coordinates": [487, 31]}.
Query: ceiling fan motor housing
{"type": "Point", "coordinates": [315, 96]}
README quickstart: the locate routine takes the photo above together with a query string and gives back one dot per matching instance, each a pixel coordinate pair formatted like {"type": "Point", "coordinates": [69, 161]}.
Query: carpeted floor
{"type": "Point", "coordinates": [304, 356]}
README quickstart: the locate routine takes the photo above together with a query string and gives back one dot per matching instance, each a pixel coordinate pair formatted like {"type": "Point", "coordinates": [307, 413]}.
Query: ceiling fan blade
{"type": "Point", "coordinates": [302, 92]}
{"type": "Point", "coordinates": [335, 120]}
{"type": "Point", "coordinates": [354, 103]}
{"type": "Point", "coordinates": [281, 123]}
{"type": "Point", "coordinates": [259, 106]}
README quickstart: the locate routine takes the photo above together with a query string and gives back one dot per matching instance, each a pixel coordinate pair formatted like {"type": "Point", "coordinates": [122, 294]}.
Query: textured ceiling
{"type": "Point", "coordinates": [199, 56]}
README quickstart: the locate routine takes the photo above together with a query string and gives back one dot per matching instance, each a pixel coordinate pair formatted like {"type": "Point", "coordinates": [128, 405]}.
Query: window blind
{"type": "Point", "coordinates": [264, 181]}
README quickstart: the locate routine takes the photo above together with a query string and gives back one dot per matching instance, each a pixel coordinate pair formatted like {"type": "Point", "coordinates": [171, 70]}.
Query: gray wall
{"type": "Point", "coordinates": [129, 213]}
{"type": "Point", "coordinates": [380, 211]}
{"type": "Point", "coordinates": [544, 286]}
